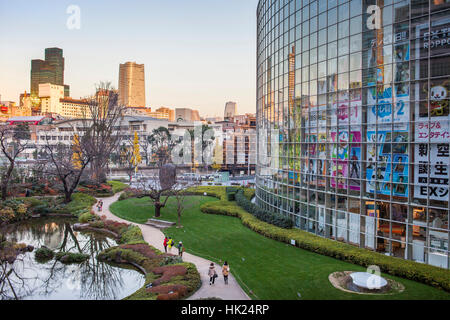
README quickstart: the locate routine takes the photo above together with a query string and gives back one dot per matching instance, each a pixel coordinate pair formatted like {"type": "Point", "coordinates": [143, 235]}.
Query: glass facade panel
{"type": "Point", "coordinates": [353, 122]}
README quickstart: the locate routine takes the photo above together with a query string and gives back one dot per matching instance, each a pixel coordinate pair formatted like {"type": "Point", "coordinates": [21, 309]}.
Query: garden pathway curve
{"type": "Point", "coordinates": [155, 237]}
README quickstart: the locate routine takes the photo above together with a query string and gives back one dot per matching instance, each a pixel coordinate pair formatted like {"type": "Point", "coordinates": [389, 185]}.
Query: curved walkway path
{"type": "Point", "coordinates": [155, 237]}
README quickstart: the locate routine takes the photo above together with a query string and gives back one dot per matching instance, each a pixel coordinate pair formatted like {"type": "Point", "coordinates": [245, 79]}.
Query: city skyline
{"type": "Point", "coordinates": [202, 50]}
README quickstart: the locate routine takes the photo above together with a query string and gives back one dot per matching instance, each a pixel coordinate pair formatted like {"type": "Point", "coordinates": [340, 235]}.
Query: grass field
{"type": "Point", "coordinates": [271, 269]}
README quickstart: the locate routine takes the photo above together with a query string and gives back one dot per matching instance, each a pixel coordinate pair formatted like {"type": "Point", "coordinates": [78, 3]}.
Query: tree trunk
{"type": "Point", "coordinates": [158, 207]}
{"type": "Point", "coordinates": [67, 196]}
{"type": "Point", "coordinates": [5, 181]}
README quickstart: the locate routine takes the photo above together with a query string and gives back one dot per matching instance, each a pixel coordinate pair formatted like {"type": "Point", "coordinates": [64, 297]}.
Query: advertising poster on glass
{"type": "Point", "coordinates": [346, 155]}
{"type": "Point", "coordinates": [432, 177]}
{"type": "Point", "coordinates": [380, 166]}
{"type": "Point", "coordinates": [347, 110]}
{"type": "Point", "coordinates": [432, 117]}
{"type": "Point", "coordinates": [386, 103]}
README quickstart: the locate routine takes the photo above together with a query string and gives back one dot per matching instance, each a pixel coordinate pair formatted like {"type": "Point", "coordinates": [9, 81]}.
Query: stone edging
{"type": "Point", "coordinates": [334, 279]}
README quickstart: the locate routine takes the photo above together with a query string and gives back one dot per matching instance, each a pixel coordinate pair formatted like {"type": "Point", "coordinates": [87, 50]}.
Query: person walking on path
{"type": "Point", "coordinates": [180, 248]}
{"type": "Point", "coordinates": [165, 243]}
{"type": "Point", "coordinates": [99, 205]}
{"type": "Point", "coordinates": [225, 272]}
{"type": "Point", "coordinates": [170, 243]}
{"type": "Point", "coordinates": [212, 273]}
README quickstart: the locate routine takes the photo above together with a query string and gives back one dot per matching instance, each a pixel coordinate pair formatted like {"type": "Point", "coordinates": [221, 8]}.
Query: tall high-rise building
{"type": "Point", "coordinates": [132, 84]}
{"type": "Point", "coordinates": [230, 110]}
{"type": "Point", "coordinates": [50, 70]}
{"type": "Point", "coordinates": [186, 114]}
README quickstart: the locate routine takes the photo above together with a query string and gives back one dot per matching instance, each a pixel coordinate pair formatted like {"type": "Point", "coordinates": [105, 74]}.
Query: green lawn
{"type": "Point", "coordinates": [271, 269]}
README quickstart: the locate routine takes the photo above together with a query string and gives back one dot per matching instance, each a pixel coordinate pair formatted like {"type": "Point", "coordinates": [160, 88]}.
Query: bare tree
{"type": "Point", "coordinates": [180, 194]}
{"type": "Point", "coordinates": [158, 186]}
{"type": "Point", "coordinates": [102, 122]}
{"type": "Point", "coordinates": [13, 141]}
{"type": "Point", "coordinates": [68, 162]}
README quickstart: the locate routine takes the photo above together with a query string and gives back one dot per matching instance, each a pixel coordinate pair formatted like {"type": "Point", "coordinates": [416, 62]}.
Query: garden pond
{"type": "Point", "coordinates": [53, 280]}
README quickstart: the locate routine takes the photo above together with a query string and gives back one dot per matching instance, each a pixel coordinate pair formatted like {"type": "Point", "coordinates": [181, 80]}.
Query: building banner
{"type": "Point", "coordinates": [432, 178]}
{"type": "Point", "coordinates": [431, 169]}
{"type": "Point", "coordinates": [432, 112]}
{"type": "Point", "coordinates": [381, 167]}
{"type": "Point", "coordinates": [315, 168]}
{"type": "Point", "coordinates": [385, 103]}
{"type": "Point", "coordinates": [347, 110]}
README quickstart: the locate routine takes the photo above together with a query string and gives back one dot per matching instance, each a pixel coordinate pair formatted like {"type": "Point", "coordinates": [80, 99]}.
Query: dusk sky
{"type": "Point", "coordinates": [197, 53]}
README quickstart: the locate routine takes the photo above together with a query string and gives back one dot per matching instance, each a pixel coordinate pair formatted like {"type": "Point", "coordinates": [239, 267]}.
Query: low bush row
{"type": "Point", "coordinates": [263, 215]}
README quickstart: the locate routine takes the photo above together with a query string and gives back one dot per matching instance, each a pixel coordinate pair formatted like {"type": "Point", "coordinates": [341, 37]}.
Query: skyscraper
{"type": "Point", "coordinates": [50, 70]}
{"type": "Point", "coordinates": [230, 110]}
{"type": "Point", "coordinates": [132, 84]}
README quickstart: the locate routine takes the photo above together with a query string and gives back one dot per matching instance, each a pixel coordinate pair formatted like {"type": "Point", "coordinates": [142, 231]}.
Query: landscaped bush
{"type": "Point", "coordinates": [12, 210]}
{"type": "Point", "coordinates": [94, 188]}
{"type": "Point", "coordinates": [231, 193]}
{"type": "Point", "coordinates": [218, 192]}
{"type": "Point", "coordinates": [130, 193]}
{"type": "Point", "coordinates": [264, 215]}
{"type": "Point", "coordinates": [80, 204]}
{"type": "Point", "coordinates": [132, 234]}
{"type": "Point", "coordinates": [116, 227]}
{"type": "Point", "coordinates": [6, 214]}
{"type": "Point", "coordinates": [86, 217]}
{"type": "Point", "coordinates": [43, 255]}
{"type": "Point", "coordinates": [171, 260]}
{"type": "Point", "coordinates": [408, 269]}
{"type": "Point", "coordinates": [70, 257]}
{"type": "Point", "coordinates": [249, 193]}
{"type": "Point", "coordinates": [168, 273]}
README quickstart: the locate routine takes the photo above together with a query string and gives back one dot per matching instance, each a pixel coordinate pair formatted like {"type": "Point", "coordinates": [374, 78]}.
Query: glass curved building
{"type": "Point", "coordinates": [353, 121]}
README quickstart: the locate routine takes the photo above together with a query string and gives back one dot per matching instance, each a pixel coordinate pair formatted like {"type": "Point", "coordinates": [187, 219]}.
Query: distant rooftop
{"type": "Point", "coordinates": [25, 118]}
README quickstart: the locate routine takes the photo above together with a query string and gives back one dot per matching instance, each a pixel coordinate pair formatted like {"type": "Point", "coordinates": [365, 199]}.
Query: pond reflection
{"type": "Point", "coordinates": [90, 280]}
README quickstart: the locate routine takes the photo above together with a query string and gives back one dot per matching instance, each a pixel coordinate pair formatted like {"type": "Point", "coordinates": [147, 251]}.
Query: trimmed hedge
{"type": "Point", "coordinates": [427, 274]}
{"type": "Point", "coordinates": [264, 215]}
{"type": "Point", "coordinates": [249, 193]}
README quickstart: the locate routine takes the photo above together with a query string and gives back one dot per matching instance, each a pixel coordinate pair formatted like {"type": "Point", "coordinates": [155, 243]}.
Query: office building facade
{"type": "Point", "coordinates": [353, 121]}
{"type": "Point", "coordinates": [230, 110]}
{"type": "Point", "coordinates": [132, 84]}
{"type": "Point", "coordinates": [50, 70]}
{"type": "Point", "coordinates": [186, 114]}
